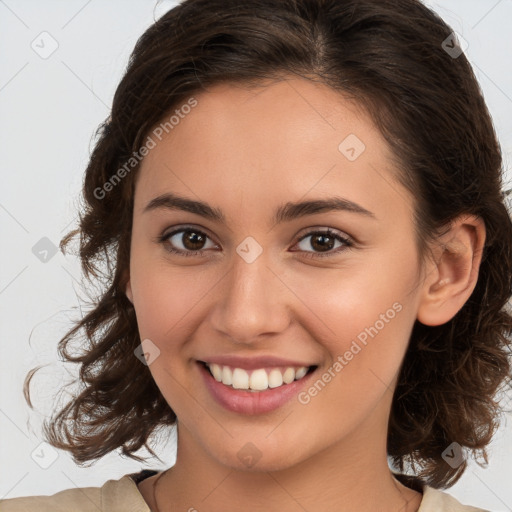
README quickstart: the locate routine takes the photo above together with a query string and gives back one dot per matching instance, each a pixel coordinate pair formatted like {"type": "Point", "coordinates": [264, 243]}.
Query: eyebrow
{"type": "Point", "coordinates": [284, 213]}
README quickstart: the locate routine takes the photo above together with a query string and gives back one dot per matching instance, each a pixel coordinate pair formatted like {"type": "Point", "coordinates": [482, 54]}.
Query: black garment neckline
{"type": "Point", "coordinates": [142, 475]}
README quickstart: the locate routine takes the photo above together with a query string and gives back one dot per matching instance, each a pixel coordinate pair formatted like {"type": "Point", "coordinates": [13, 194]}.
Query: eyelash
{"type": "Point", "coordinates": [310, 254]}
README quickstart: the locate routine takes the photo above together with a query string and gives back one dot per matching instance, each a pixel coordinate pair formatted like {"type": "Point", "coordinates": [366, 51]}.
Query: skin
{"type": "Point", "coordinates": [247, 151]}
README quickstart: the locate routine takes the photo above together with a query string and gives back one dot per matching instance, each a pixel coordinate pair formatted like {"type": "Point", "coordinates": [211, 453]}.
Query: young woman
{"type": "Point", "coordinates": [296, 210]}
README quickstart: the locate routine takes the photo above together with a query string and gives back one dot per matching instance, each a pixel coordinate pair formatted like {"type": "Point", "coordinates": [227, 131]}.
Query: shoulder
{"type": "Point", "coordinates": [435, 500]}
{"type": "Point", "coordinates": [115, 495]}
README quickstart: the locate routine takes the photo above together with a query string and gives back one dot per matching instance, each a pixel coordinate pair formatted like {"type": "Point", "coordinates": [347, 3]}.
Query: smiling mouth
{"type": "Point", "coordinates": [259, 379]}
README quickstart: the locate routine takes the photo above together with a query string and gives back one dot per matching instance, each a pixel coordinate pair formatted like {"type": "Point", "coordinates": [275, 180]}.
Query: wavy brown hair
{"type": "Point", "coordinates": [391, 57]}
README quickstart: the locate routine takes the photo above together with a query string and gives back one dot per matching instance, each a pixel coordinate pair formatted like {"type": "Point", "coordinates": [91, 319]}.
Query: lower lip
{"type": "Point", "coordinates": [249, 402]}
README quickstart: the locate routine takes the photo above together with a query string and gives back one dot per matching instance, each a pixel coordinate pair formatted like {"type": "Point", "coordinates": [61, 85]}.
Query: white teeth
{"type": "Point", "coordinates": [275, 378]}
{"type": "Point", "coordinates": [240, 379]}
{"type": "Point", "coordinates": [288, 375]}
{"type": "Point", "coordinates": [258, 380]}
{"type": "Point", "coordinates": [217, 372]}
{"type": "Point", "coordinates": [227, 376]}
{"type": "Point", "coordinates": [301, 372]}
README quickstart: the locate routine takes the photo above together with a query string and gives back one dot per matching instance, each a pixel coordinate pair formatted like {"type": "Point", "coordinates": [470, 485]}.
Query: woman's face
{"type": "Point", "coordinates": [260, 286]}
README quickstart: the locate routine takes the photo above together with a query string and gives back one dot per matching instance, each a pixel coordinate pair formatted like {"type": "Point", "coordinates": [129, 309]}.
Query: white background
{"type": "Point", "coordinates": [49, 110]}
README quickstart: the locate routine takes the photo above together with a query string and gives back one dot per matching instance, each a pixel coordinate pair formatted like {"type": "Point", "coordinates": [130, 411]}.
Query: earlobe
{"type": "Point", "coordinates": [453, 277]}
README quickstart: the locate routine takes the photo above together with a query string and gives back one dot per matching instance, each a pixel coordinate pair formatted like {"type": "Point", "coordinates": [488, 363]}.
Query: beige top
{"type": "Point", "coordinates": [123, 495]}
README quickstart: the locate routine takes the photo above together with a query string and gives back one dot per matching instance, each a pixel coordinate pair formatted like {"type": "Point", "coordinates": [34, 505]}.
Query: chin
{"type": "Point", "coordinates": [252, 460]}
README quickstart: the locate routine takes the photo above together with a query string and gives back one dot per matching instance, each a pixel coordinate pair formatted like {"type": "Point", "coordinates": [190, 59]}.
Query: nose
{"type": "Point", "coordinates": [252, 302]}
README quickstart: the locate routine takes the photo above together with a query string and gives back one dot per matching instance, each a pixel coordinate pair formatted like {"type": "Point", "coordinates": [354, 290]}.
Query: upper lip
{"type": "Point", "coordinates": [252, 363]}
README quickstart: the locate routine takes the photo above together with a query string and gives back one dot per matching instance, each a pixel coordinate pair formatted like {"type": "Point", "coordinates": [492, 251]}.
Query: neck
{"type": "Point", "coordinates": [352, 475]}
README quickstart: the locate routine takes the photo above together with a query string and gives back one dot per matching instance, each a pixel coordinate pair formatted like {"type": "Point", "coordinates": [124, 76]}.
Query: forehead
{"type": "Point", "coordinates": [261, 145]}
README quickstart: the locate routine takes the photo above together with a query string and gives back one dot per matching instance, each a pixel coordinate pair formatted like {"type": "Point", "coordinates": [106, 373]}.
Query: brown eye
{"type": "Point", "coordinates": [186, 241]}
{"type": "Point", "coordinates": [323, 242]}
{"type": "Point", "coordinates": [193, 240]}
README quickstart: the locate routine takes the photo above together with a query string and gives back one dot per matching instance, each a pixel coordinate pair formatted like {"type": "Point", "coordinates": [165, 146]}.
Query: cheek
{"type": "Point", "coordinates": [365, 349]}
{"type": "Point", "coordinates": [348, 303]}
{"type": "Point", "coordinates": [164, 299]}
{"type": "Point", "coordinates": [363, 316]}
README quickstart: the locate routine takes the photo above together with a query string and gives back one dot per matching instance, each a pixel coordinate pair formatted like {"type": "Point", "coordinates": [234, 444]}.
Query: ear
{"type": "Point", "coordinates": [452, 277]}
